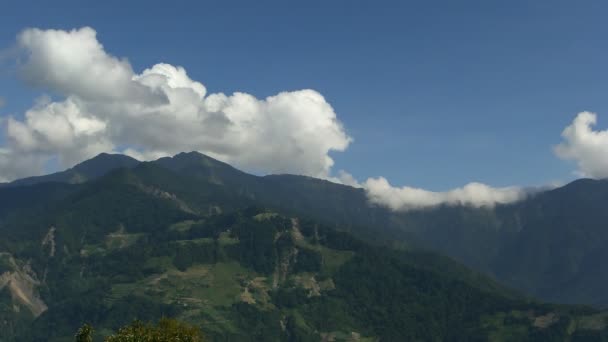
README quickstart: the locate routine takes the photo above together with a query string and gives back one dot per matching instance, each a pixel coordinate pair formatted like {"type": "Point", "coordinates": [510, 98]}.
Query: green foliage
{"type": "Point", "coordinates": [85, 334]}
{"type": "Point", "coordinates": [191, 253]}
{"type": "Point", "coordinates": [12, 322]}
{"type": "Point", "coordinates": [256, 324]}
{"type": "Point", "coordinates": [308, 261]}
{"type": "Point", "coordinates": [167, 330]}
{"type": "Point", "coordinates": [256, 245]}
{"type": "Point", "coordinates": [290, 297]}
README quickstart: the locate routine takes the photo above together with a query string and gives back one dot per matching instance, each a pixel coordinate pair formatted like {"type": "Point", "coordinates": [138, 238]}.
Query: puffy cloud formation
{"type": "Point", "coordinates": [75, 63]}
{"type": "Point", "coordinates": [379, 191]}
{"type": "Point", "coordinates": [588, 148]}
{"type": "Point", "coordinates": [107, 107]}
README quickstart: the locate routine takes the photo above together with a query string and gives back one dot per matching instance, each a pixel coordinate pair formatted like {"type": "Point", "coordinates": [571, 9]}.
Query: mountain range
{"type": "Point", "coordinates": [286, 257]}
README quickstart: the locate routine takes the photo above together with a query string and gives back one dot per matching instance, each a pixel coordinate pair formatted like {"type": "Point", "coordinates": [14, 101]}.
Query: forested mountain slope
{"type": "Point", "coordinates": [152, 241]}
{"type": "Point", "coordinates": [549, 245]}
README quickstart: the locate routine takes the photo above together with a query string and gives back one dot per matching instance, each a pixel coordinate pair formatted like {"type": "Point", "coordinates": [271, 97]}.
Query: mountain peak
{"type": "Point", "coordinates": [201, 166]}
{"type": "Point", "coordinates": [87, 170]}
{"type": "Point", "coordinates": [192, 159]}
{"type": "Point", "coordinates": [103, 163]}
{"type": "Point", "coordinates": [192, 155]}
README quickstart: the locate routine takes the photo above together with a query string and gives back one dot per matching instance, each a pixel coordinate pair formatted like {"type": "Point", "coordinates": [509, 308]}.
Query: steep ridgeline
{"type": "Point", "coordinates": [299, 195]}
{"type": "Point", "coordinates": [142, 243]}
{"type": "Point", "coordinates": [83, 172]}
{"type": "Point", "coordinates": [550, 246]}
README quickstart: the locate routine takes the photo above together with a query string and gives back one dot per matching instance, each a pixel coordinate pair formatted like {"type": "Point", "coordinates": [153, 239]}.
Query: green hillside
{"type": "Point", "coordinates": [146, 242]}
{"type": "Point", "coordinates": [550, 245]}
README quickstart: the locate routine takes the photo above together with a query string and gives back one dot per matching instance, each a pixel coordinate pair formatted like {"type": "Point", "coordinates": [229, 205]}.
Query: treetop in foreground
{"type": "Point", "coordinates": [167, 330]}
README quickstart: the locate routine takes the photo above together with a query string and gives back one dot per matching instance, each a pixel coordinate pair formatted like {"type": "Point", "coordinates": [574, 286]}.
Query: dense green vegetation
{"type": "Point", "coordinates": [184, 240]}
{"type": "Point", "coordinates": [550, 246]}
{"type": "Point", "coordinates": [167, 330]}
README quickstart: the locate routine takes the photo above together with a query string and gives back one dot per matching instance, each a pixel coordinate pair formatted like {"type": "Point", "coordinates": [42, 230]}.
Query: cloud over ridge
{"type": "Point", "coordinates": [108, 107]}
{"type": "Point", "coordinates": [380, 191]}
{"type": "Point", "coordinates": [587, 147]}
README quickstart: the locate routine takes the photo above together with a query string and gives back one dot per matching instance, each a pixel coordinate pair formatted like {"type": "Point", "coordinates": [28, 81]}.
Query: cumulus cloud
{"type": "Point", "coordinates": [587, 147]}
{"type": "Point", "coordinates": [381, 192]}
{"type": "Point", "coordinates": [75, 63]}
{"type": "Point", "coordinates": [105, 106]}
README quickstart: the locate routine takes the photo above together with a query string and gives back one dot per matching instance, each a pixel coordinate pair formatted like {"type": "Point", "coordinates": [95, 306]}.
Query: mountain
{"type": "Point", "coordinates": [299, 195]}
{"type": "Point", "coordinates": [549, 246]}
{"type": "Point", "coordinates": [85, 171]}
{"type": "Point", "coordinates": [562, 244]}
{"type": "Point", "coordinates": [198, 243]}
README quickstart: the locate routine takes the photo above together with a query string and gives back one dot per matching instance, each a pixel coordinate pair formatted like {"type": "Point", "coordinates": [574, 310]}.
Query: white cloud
{"type": "Point", "coordinates": [380, 192]}
{"type": "Point", "coordinates": [347, 179]}
{"type": "Point", "coordinates": [107, 107]}
{"type": "Point", "coordinates": [74, 63]}
{"type": "Point", "coordinates": [12, 166]}
{"type": "Point", "coordinates": [588, 148]}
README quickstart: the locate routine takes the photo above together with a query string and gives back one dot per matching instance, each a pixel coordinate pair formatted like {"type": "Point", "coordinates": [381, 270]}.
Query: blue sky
{"type": "Point", "coordinates": [436, 94]}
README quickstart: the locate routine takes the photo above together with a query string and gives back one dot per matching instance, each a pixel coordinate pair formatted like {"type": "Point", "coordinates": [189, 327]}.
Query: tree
{"type": "Point", "coordinates": [85, 334]}
{"type": "Point", "coordinates": [167, 330]}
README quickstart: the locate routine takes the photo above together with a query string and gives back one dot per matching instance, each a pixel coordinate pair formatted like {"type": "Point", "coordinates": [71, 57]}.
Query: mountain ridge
{"type": "Point", "coordinates": [520, 244]}
{"type": "Point", "coordinates": [85, 171]}
{"type": "Point", "coordinates": [253, 258]}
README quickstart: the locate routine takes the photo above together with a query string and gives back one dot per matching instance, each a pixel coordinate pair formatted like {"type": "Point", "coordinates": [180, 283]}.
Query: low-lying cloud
{"type": "Point", "coordinates": [107, 107]}
{"type": "Point", "coordinates": [588, 148]}
{"type": "Point", "coordinates": [381, 192]}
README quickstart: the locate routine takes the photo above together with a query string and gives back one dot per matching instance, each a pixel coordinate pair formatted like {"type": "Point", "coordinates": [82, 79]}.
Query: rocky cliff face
{"type": "Point", "coordinates": [22, 283]}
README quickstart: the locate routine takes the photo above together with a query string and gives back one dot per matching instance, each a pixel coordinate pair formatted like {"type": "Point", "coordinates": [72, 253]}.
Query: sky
{"type": "Point", "coordinates": [428, 95]}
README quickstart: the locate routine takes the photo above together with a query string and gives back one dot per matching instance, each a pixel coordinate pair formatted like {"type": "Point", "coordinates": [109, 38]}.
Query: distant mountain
{"type": "Point", "coordinates": [550, 246]}
{"type": "Point", "coordinates": [560, 249]}
{"type": "Point", "coordinates": [83, 172]}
